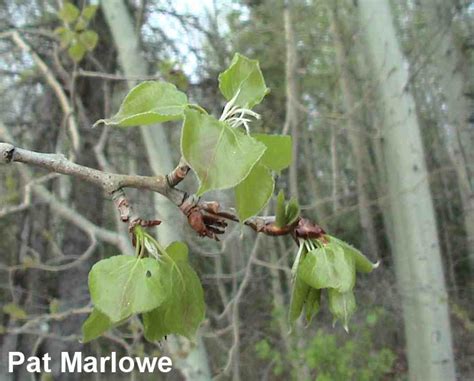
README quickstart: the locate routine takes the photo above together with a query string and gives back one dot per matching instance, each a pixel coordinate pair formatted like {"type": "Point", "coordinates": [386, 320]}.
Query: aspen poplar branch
{"type": "Point", "coordinates": [208, 219]}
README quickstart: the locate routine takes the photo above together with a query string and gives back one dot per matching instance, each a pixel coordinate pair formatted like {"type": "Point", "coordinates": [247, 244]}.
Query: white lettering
{"type": "Point", "coordinates": [33, 364]}
{"type": "Point", "coordinates": [146, 364]}
{"type": "Point", "coordinates": [70, 366]}
{"type": "Point", "coordinates": [90, 365]}
{"type": "Point", "coordinates": [11, 362]}
{"type": "Point", "coordinates": [165, 364]}
{"type": "Point", "coordinates": [46, 360]}
{"type": "Point", "coordinates": [103, 363]}
{"type": "Point", "coordinates": [131, 364]}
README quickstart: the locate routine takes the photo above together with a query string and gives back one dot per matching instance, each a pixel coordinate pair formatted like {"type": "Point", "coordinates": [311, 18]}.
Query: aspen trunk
{"type": "Point", "coordinates": [416, 248]}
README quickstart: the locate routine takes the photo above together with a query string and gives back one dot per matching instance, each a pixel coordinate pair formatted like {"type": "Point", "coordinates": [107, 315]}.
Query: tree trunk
{"type": "Point", "coordinates": [355, 138]}
{"type": "Point", "coordinates": [291, 118]}
{"type": "Point", "coordinates": [194, 366]}
{"type": "Point", "coordinates": [447, 65]}
{"type": "Point", "coordinates": [416, 248]}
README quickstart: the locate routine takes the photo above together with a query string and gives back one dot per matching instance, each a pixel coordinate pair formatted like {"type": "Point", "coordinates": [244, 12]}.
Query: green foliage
{"type": "Point", "coordinates": [330, 264]}
{"type": "Point", "coordinates": [15, 311]}
{"type": "Point", "coordinates": [159, 283]}
{"type": "Point", "coordinates": [184, 309]}
{"type": "Point", "coordinates": [74, 34]}
{"type": "Point", "coordinates": [220, 155]}
{"type": "Point", "coordinates": [286, 212]}
{"type": "Point", "coordinates": [96, 324]}
{"type": "Point", "coordinates": [244, 81]}
{"type": "Point", "coordinates": [279, 152]}
{"type": "Point", "coordinates": [156, 282]}
{"type": "Point", "coordinates": [253, 193]}
{"type": "Point", "coordinates": [356, 358]}
{"type": "Point", "coordinates": [149, 102]}
{"type": "Point", "coordinates": [124, 285]}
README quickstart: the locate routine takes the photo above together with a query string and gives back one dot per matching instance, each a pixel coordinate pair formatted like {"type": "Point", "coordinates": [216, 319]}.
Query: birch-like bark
{"type": "Point", "coordinates": [447, 66]}
{"type": "Point", "coordinates": [355, 137]}
{"type": "Point", "coordinates": [291, 118]}
{"type": "Point", "coordinates": [416, 248]}
{"type": "Point", "coordinates": [194, 366]}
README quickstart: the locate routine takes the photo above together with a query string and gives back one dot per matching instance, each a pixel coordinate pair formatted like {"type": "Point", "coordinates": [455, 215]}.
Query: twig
{"type": "Point", "coordinates": [206, 218]}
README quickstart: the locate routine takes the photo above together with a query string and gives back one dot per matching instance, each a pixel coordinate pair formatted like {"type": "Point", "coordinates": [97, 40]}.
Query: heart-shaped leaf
{"type": "Point", "coordinates": [278, 154]}
{"type": "Point", "coordinates": [149, 102]}
{"type": "Point", "coordinates": [220, 155]}
{"type": "Point", "coordinates": [124, 285]}
{"type": "Point", "coordinates": [245, 78]}
{"type": "Point", "coordinates": [253, 193]}
{"type": "Point", "coordinates": [184, 309]}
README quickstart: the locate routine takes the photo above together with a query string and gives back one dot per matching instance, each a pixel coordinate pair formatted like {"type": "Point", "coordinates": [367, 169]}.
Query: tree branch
{"type": "Point", "coordinates": [206, 218]}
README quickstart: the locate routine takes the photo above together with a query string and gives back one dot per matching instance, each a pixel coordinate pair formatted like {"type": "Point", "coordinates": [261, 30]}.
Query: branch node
{"type": "Point", "coordinates": [6, 152]}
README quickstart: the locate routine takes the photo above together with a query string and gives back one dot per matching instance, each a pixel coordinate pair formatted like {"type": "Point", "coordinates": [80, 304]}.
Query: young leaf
{"type": "Point", "coordinates": [253, 193]}
{"type": "Point", "coordinates": [124, 285]}
{"type": "Point", "coordinates": [328, 267]}
{"type": "Point", "coordinates": [313, 303]}
{"type": "Point", "coordinates": [221, 156]}
{"type": "Point", "coordinates": [184, 309]}
{"type": "Point", "coordinates": [95, 325]}
{"type": "Point", "coordinates": [245, 78]}
{"type": "Point", "coordinates": [76, 51]}
{"type": "Point", "coordinates": [148, 103]}
{"type": "Point", "coordinates": [342, 305]}
{"type": "Point", "coordinates": [279, 150]}
{"type": "Point", "coordinates": [89, 12]}
{"type": "Point", "coordinates": [362, 263]}
{"type": "Point", "coordinates": [299, 294]}
{"type": "Point", "coordinates": [286, 213]}
{"type": "Point", "coordinates": [292, 211]}
{"type": "Point", "coordinates": [65, 35]}
{"type": "Point", "coordinates": [68, 13]}
{"type": "Point", "coordinates": [89, 39]}
{"type": "Point", "coordinates": [280, 214]}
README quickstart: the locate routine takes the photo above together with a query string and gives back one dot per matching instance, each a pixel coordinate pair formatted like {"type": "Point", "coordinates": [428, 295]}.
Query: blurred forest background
{"type": "Point", "coordinates": [378, 96]}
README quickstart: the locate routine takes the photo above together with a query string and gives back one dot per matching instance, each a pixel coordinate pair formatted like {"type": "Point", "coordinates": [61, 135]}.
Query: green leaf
{"type": "Point", "coordinates": [184, 309]}
{"type": "Point", "coordinates": [124, 285]}
{"type": "Point", "coordinates": [278, 154]}
{"type": "Point", "coordinates": [253, 193]}
{"type": "Point", "coordinates": [299, 294]}
{"type": "Point", "coordinates": [65, 35]}
{"type": "Point", "coordinates": [280, 214]}
{"type": "Point", "coordinates": [245, 77]}
{"type": "Point", "coordinates": [313, 303]}
{"type": "Point", "coordinates": [77, 51]}
{"type": "Point", "coordinates": [292, 211]}
{"type": "Point", "coordinates": [362, 263]}
{"type": "Point", "coordinates": [149, 102]}
{"type": "Point", "coordinates": [95, 325]}
{"type": "Point", "coordinates": [15, 311]}
{"type": "Point", "coordinates": [69, 13]}
{"type": "Point", "coordinates": [342, 305]}
{"type": "Point", "coordinates": [328, 267]}
{"type": "Point", "coordinates": [286, 213]}
{"type": "Point", "coordinates": [89, 39]}
{"type": "Point", "coordinates": [89, 12]}
{"type": "Point", "coordinates": [220, 155]}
